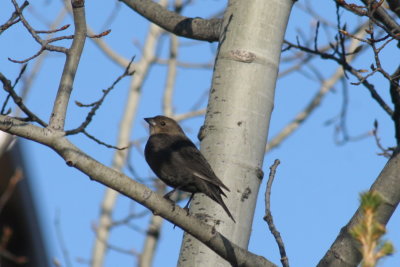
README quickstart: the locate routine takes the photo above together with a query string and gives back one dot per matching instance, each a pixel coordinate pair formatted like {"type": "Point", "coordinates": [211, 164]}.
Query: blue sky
{"type": "Point", "coordinates": [317, 185]}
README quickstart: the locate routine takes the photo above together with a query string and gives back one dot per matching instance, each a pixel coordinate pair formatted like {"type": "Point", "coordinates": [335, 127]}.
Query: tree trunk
{"type": "Point", "coordinates": [236, 127]}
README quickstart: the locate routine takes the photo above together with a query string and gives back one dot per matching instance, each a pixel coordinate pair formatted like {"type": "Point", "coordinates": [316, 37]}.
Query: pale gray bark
{"type": "Point", "coordinates": [236, 128]}
{"type": "Point", "coordinates": [57, 119]}
{"type": "Point", "coordinates": [193, 28]}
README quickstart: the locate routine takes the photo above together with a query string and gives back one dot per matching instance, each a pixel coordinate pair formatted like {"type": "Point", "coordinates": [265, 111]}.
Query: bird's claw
{"type": "Point", "coordinates": [187, 211]}
{"type": "Point", "coordinates": [166, 196]}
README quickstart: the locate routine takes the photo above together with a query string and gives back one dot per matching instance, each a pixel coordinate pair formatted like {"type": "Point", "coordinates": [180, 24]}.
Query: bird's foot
{"type": "Point", "coordinates": [169, 194]}
{"type": "Point", "coordinates": [187, 210]}
{"type": "Point", "coordinates": [166, 196]}
{"type": "Point", "coordinates": [173, 206]}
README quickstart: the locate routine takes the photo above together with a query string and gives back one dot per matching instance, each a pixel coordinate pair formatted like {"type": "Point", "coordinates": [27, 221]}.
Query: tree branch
{"type": "Point", "coordinates": [268, 215]}
{"type": "Point", "coordinates": [96, 105]}
{"type": "Point", "coordinates": [326, 86]}
{"type": "Point", "coordinates": [193, 28]}
{"type": "Point", "coordinates": [370, 87]}
{"type": "Point", "coordinates": [18, 100]}
{"type": "Point", "coordinates": [14, 18]}
{"type": "Point", "coordinates": [44, 43]}
{"type": "Point", "coordinates": [57, 119]}
{"type": "Point", "coordinates": [380, 14]}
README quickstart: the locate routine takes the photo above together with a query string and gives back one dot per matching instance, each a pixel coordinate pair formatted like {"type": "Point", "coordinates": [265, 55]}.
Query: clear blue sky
{"type": "Point", "coordinates": [317, 184]}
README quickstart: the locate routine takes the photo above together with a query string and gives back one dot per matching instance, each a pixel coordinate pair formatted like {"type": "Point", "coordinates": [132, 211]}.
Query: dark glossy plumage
{"type": "Point", "coordinates": [178, 162]}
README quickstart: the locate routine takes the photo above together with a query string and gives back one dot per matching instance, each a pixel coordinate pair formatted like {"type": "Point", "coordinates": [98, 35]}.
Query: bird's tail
{"type": "Point", "coordinates": [216, 196]}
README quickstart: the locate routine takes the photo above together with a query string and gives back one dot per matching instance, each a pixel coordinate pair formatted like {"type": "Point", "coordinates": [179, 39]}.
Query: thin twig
{"type": "Point", "coordinates": [355, 72]}
{"type": "Point", "coordinates": [35, 36]}
{"type": "Point", "coordinates": [18, 100]}
{"type": "Point", "coordinates": [55, 30]}
{"type": "Point", "coordinates": [342, 54]}
{"type": "Point", "coordinates": [386, 152]}
{"type": "Point", "coordinates": [15, 83]}
{"type": "Point", "coordinates": [100, 35]}
{"type": "Point", "coordinates": [96, 105]}
{"type": "Point", "coordinates": [13, 19]}
{"type": "Point", "coordinates": [129, 217]}
{"type": "Point", "coordinates": [101, 142]}
{"type": "Point", "coordinates": [326, 86]}
{"type": "Point", "coordinates": [59, 112]}
{"type": "Point", "coordinates": [268, 215]}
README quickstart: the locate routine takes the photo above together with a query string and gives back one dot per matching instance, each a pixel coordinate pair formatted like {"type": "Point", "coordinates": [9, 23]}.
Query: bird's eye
{"type": "Point", "coordinates": [162, 123]}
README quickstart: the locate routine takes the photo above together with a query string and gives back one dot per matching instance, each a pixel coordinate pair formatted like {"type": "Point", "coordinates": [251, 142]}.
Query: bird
{"type": "Point", "coordinates": [178, 163]}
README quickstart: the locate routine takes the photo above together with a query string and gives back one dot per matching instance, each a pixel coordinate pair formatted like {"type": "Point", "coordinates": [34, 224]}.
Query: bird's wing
{"type": "Point", "coordinates": [190, 157]}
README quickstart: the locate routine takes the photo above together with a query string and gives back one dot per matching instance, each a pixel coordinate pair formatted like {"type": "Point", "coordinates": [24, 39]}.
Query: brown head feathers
{"type": "Point", "coordinates": [163, 124]}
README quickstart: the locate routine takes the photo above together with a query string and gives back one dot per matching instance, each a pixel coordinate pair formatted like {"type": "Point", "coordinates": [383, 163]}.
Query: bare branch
{"type": "Point", "coordinates": [55, 30]}
{"type": "Point", "coordinates": [18, 100]}
{"type": "Point", "coordinates": [35, 69]}
{"type": "Point", "coordinates": [7, 85]}
{"type": "Point", "coordinates": [96, 105]}
{"type": "Point", "coordinates": [379, 14]}
{"type": "Point", "coordinates": [386, 152]}
{"type": "Point", "coordinates": [100, 35]}
{"type": "Point", "coordinates": [98, 141]}
{"type": "Point", "coordinates": [120, 60]}
{"type": "Point", "coordinates": [315, 102]}
{"type": "Point", "coordinates": [13, 19]}
{"type": "Point", "coordinates": [57, 119]}
{"type": "Point", "coordinates": [44, 44]}
{"type": "Point", "coordinates": [268, 215]}
{"type": "Point", "coordinates": [194, 28]}
{"type": "Point", "coordinates": [353, 71]}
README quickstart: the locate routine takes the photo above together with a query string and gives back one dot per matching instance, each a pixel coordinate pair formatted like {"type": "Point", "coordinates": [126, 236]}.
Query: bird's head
{"type": "Point", "coordinates": [162, 124]}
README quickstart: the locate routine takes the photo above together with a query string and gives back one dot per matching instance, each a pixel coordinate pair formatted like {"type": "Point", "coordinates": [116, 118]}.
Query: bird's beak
{"type": "Point", "coordinates": [150, 121]}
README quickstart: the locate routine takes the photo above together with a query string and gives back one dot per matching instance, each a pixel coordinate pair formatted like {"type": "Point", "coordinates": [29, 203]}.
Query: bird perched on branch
{"type": "Point", "coordinates": [178, 163]}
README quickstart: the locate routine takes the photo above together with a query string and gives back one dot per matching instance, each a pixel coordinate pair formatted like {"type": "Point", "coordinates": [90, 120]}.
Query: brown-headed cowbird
{"type": "Point", "coordinates": [178, 162]}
